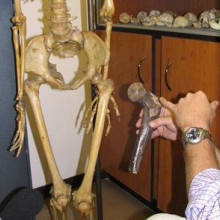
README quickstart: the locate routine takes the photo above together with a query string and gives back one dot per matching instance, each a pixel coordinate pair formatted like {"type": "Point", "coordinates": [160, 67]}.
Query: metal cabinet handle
{"type": "Point", "coordinates": [166, 75]}
{"type": "Point", "coordinates": [139, 69]}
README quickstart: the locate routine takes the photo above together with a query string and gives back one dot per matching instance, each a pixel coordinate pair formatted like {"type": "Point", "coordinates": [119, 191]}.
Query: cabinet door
{"type": "Point", "coordinates": [195, 66]}
{"type": "Point", "coordinates": [126, 51]}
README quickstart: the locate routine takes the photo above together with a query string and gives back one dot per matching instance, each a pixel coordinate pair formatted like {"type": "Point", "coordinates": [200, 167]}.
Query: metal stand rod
{"type": "Point", "coordinates": [99, 190]}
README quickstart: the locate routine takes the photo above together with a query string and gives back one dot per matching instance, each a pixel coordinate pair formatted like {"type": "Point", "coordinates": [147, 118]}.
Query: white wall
{"type": "Point", "coordinates": [61, 108]}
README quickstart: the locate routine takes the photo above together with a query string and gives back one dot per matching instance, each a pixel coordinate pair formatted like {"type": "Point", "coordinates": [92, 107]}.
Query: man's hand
{"type": "Point", "coordinates": [163, 126]}
{"type": "Point", "coordinates": [194, 110]}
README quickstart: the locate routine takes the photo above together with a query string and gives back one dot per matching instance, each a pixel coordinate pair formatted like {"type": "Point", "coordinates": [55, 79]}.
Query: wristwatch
{"type": "Point", "coordinates": [194, 135]}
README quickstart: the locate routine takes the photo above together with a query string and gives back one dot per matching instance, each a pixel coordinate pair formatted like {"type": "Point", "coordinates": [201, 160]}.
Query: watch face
{"type": "Point", "coordinates": [193, 135]}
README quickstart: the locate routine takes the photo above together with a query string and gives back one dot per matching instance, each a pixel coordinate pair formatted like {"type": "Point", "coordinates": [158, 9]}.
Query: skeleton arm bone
{"type": "Point", "coordinates": [19, 38]}
{"type": "Point", "coordinates": [106, 13]}
{"type": "Point", "coordinates": [108, 9]}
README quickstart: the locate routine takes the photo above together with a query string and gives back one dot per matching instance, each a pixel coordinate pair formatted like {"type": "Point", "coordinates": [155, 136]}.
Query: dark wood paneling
{"type": "Point", "coordinates": [195, 67]}
{"type": "Point", "coordinates": [126, 51]}
{"type": "Point", "coordinates": [158, 93]}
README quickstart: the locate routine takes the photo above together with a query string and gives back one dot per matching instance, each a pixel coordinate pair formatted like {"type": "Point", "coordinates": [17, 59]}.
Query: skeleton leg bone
{"type": "Point", "coordinates": [60, 191]}
{"type": "Point", "coordinates": [98, 53]}
{"type": "Point", "coordinates": [151, 108]}
{"type": "Point", "coordinates": [82, 198]}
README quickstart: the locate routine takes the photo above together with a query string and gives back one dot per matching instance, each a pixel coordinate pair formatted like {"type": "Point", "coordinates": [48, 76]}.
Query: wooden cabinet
{"type": "Point", "coordinates": [195, 66]}
{"type": "Point", "coordinates": [126, 51]}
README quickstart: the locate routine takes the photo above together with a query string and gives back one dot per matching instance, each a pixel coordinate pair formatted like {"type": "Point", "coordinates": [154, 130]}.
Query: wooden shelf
{"type": "Point", "coordinates": [189, 31]}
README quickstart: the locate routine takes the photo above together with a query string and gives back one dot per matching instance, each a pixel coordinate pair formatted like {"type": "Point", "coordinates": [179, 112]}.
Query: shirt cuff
{"type": "Point", "coordinates": [204, 192]}
{"type": "Point", "coordinates": [201, 181]}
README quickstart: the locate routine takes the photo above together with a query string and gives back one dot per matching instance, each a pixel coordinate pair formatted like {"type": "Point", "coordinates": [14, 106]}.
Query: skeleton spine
{"type": "Point", "coordinates": [60, 24]}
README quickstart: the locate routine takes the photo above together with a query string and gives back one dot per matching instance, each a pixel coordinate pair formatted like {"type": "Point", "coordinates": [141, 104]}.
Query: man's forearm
{"type": "Point", "coordinates": [199, 157]}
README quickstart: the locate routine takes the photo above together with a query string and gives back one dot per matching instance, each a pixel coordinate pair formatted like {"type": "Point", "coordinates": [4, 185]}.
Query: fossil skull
{"type": "Point", "coordinates": [150, 21]}
{"type": "Point", "coordinates": [215, 24]}
{"type": "Point", "coordinates": [180, 22]}
{"type": "Point", "coordinates": [192, 18]}
{"type": "Point", "coordinates": [135, 20]}
{"type": "Point", "coordinates": [141, 16]}
{"type": "Point", "coordinates": [205, 17]}
{"type": "Point", "coordinates": [165, 19]}
{"type": "Point", "coordinates": [125, 18]}
{"type": "Point", "coordinates": [216, 12]}
{"type": "Point", "coordinates": [153, 13]}
{"type": "Point", "coordinates": [197, 24]}
{"type": "Point", "coordinates": [171, 12]}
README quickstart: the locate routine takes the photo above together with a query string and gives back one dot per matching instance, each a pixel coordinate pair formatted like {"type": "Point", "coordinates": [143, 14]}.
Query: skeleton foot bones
{"type": "Point", "coordinates": [151, 107]}
{"type": "Point", "coordinates": [33, 59]}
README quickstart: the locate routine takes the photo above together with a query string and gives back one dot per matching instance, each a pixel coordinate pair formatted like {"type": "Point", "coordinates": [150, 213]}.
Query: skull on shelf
{"type": "Point", "coordinates": [197, 24]}
{"type": "Point", "coordinates": [165, 19]}
{"type": "Point", "coordinates": [180, 22]}
{"type": "Point", "coordinates": [215, 24]}
{"type": "Point", "coordinates": [135, 20]}
{"type": "Point", "coordinates": [174, 14]}
{"type": "Point", "coordinates": [125, 18]}
{"type": "Point", "coordinates": [141, 16]}
{"type": "Point", "coordinates": [216, 12]}
{"type": "Point", "coordinates": [205, 17]}
{"type": "Point", "coordinates": [192, 18]}
{"type": "Point", "coordinates": [150, 21]}
{"type": "Point", "coordinates": [153, 13]}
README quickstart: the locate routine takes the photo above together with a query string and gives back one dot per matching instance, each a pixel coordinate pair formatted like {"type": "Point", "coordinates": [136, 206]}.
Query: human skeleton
{"type": "Point", "coordinates": [33, 59]}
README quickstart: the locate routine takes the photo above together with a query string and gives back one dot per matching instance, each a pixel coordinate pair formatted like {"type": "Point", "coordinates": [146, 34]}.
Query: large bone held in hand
{"type": "Point", "coordinates": [151, 109]}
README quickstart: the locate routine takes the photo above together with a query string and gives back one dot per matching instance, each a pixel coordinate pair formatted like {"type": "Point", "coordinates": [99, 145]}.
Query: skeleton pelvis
{"type": "Point", "coordinates": [37, 62]}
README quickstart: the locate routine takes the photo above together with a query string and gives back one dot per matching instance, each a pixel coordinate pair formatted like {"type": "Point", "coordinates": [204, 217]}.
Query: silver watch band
{"type": "Point", "coordinates": [195, 135]}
